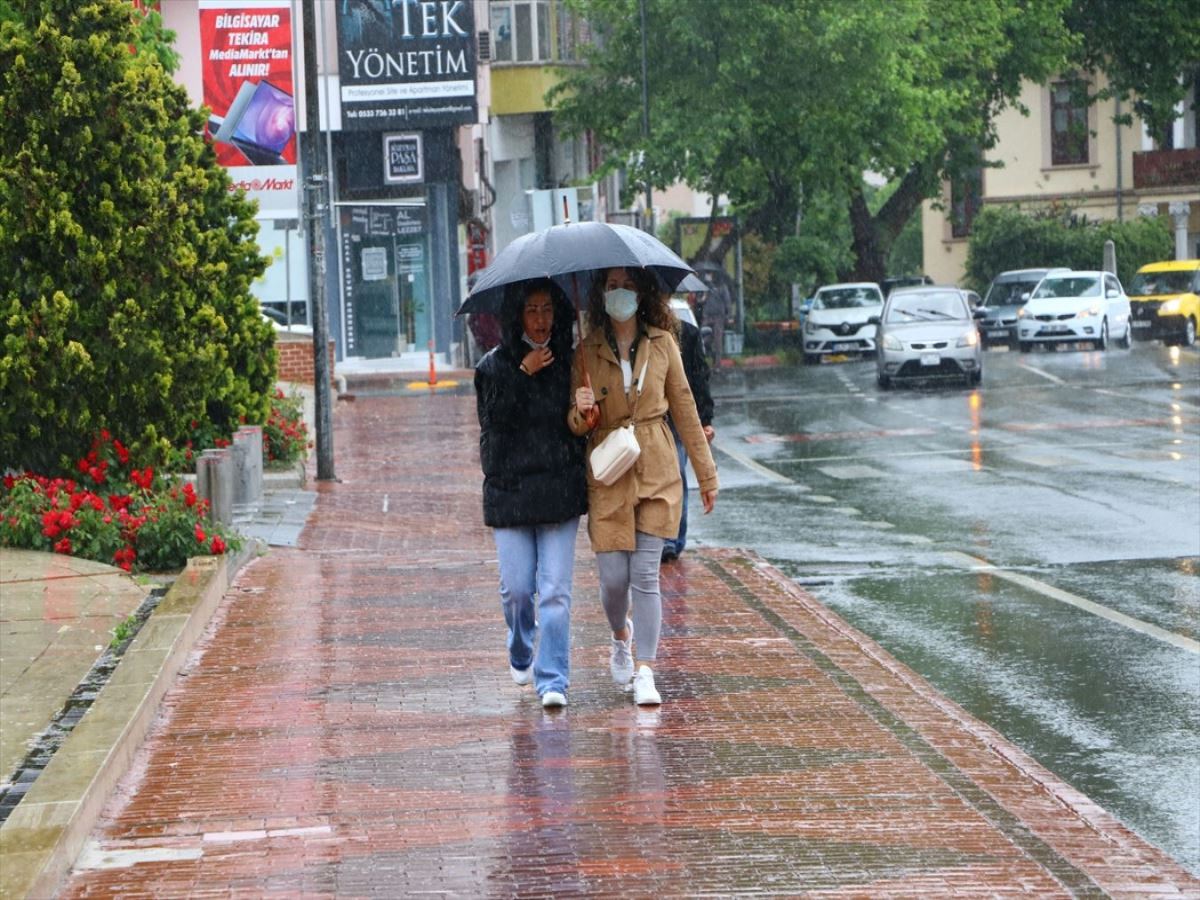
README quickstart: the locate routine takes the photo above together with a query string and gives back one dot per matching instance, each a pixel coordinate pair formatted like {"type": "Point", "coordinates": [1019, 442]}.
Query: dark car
{"type": "Point", "coordinates": [1005, 296]}
{"type": "Point", "coordinates": [897, 281]}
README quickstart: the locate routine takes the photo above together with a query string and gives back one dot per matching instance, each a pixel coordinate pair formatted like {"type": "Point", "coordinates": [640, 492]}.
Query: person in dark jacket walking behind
{"type": "Point", "coordinates": [695, 367]}
{"type": "Point", "coordinates": [534, 487]}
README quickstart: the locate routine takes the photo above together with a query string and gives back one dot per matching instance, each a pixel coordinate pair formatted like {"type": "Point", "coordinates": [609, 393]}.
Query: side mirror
{"type": "Point", "coordinates": [873, 320]}
{"type": "Point", "coordinates": [980, 313]}
{"type": "Point", "coordinates": [1025, 296]}
{"type": "Point", "coordinates": [1110, 293]}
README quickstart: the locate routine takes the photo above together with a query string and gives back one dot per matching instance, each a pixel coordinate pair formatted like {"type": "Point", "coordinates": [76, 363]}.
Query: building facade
{"type": "Point", "coordinates": [1074, 155]}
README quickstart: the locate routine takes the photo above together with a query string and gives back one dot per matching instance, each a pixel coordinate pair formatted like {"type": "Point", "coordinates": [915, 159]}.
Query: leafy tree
{"type": "Point", "coordinates": [772, 102]}
{"type": "Point", "coordinates": [126, 260]}
{"type": "Point", "coordinates": [1150, 51]}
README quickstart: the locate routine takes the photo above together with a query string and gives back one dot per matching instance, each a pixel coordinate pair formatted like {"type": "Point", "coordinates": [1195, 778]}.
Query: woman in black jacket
{"type": "Point", "coordinates": [534, 488]}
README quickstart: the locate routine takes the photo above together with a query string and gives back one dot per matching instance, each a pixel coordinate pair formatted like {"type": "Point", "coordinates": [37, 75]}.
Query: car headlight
{"type": "Point", "coordinates": [1089, 312]}
{"type": "Point", "coordinates": [969, 339]}
{"type": "Point", "coordinates": [810, 327]}
{"type": "Point", "coordinates": [891, 342]}
{"type": "Point", "coordinates": [1021, 313]}
{"type": "Point", "coordinates": [1169, 307]}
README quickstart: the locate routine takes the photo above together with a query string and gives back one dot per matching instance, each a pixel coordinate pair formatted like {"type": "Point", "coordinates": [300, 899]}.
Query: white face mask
{"type": "Point", "coordinates": [621, 304]}
{"type": "Point", "coordinates": [534, 344]}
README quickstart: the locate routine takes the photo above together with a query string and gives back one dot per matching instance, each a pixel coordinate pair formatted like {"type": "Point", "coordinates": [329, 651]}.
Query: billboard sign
{"type": "Point", "coordinates": [246, 51]}
{"type": "Point", "coordinates": [406, 63]}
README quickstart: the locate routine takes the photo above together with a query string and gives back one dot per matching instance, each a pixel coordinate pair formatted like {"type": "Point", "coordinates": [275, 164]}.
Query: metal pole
{"type": "Point", "coordinates": [646, 118]}
{"type": "Point", "coordinates": [314, 214]}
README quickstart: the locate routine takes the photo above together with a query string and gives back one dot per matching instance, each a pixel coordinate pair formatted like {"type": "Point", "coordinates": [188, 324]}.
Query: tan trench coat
{"type": "Point", "coordinates": [649, 497]}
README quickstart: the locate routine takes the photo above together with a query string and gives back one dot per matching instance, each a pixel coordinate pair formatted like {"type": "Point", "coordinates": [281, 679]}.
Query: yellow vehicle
{"type": "Point", "coordinates": [1165, 301]}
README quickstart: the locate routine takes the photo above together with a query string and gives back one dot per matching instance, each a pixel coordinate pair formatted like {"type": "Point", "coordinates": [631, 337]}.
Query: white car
{"type": "Point", "coordinates": [837, 321]}
{"type": "Point", "coordinates": [1075, 306]}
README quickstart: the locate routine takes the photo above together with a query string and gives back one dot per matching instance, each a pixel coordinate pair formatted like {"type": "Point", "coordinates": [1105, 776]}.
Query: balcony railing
{"type": "Point", "coordinates": [1166, 168]}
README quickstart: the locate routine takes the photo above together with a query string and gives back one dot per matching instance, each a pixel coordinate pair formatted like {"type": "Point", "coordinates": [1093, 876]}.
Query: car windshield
{"type": "Point", "coordinates": [927, 307]}
{"type": "Point", "coordinates": [1068, 286]}
{"type": "Point", "coordinates": [847, 298]}
{"type": "Point", "coordinates": [1009, 293]}
{"type": "Point", "coordinates": [1146, 284]}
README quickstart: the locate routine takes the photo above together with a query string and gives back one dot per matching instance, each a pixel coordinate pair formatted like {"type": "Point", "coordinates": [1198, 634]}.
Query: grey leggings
{"type": "Point", "coordinates": [633, 576]}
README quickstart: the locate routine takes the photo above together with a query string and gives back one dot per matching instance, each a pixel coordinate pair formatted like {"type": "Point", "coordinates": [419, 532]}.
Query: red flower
{"type": "Point", "coordinates": [218, 545]}
{"type": "Point", "coordinates": [122, 453]}
{"type": "Point", "coordinates": [63, 546]}
{"type": "Point", "coordinates": [201, 537]}
{"type": "Point", "coordinates": [9, 481]}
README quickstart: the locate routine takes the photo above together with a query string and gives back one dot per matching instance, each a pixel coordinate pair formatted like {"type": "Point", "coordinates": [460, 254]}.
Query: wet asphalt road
{"type": "Point", "coordinates": [1031, 547]}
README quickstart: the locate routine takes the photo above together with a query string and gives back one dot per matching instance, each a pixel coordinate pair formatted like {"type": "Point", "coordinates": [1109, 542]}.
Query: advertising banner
{"type": "Point", "coordinates": [406, 64]}
{"type": "Point", "coordinates": [247, 59]}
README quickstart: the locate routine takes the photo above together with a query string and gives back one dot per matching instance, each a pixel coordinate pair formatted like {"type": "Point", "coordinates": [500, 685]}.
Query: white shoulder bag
{"type": "Point", "coordinates": [613, 456]}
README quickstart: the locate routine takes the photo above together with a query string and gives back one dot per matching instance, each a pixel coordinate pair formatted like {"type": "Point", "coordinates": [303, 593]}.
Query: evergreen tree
{"type": "Point", "coordinates": [125, 258]}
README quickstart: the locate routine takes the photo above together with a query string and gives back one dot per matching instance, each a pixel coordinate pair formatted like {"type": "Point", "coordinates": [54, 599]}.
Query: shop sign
{"type": "Point", "coordinates": [246, 65]}
{"type": "Point", "coordinates": [403, 159]}
{"type": "Point", "coordinates": [406, 63]}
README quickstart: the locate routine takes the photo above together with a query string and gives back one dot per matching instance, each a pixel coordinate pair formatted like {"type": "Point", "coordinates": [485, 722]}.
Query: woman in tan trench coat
{"type": "Point", "coordinates": [628, 368]}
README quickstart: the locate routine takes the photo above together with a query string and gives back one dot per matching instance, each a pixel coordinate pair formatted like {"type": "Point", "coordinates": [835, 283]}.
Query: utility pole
{"type": "Point", "coordinates": [314, 214]}
{"type": "Point", "coordinates": [646, 119]}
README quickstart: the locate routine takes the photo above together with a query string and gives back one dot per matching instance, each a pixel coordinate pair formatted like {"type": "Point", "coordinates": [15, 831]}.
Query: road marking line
{"type": "Point", "coordinates": [93, 857]}
{"type": "Point", "coordinates": [1096, 609]}
{"type": "Point", "coordinates": [385, 502]}
{"type": "Point", "coordinates": [1036, 371]}
{"type": "Point", "coordinates": [752, 465]}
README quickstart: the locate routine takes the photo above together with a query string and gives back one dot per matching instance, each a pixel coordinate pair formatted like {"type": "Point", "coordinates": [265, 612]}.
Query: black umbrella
{"type": "Point", "coordinates": [570, 255]}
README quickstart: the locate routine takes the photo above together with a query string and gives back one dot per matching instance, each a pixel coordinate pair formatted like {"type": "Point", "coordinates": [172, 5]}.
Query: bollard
{"type": "Point", "coordinates": [1110, 257]}
{"type": "Point", "coordinates": [432, 370]}
{"type": "Point", "coordinates": [214, 483]}
{"type": "Point", "coordinates": [248, 464]}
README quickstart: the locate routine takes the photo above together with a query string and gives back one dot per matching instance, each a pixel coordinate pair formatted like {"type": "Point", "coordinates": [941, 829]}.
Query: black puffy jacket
{"type": "Point", "coordinates": [532, 465]}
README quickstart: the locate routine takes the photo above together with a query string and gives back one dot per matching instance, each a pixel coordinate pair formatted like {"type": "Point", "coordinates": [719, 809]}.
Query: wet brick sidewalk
{"type": "Point", "coordinates": [348, 727]}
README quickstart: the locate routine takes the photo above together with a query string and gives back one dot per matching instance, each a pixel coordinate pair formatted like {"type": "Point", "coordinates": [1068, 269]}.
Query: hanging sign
{"type": "Point", "coordinates": [246, 53]}
{"type": "Point", "coordinates": [406, 63]}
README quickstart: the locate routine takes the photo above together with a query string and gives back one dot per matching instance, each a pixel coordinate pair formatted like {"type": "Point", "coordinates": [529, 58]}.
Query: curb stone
{"type": "Point", "coordinates": [41, 839]}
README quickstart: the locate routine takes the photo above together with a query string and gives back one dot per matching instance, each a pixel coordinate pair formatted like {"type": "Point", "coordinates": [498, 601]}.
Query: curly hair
{"type": "Point", "coordinates": [653, 305]}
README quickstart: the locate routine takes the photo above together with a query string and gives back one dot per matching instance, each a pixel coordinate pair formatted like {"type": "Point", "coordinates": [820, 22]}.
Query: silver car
{"type": "Point", "coordinates": [837, 320]}
{"type": "Point", "coordinates": [927, 332]}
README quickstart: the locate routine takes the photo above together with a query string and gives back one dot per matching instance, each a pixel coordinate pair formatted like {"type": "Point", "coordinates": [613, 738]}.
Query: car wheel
{"type": "Point", "coordinates": [885, 382]}
{"type": "Point", "coordinates": [1127, 338]}
{"type": "Point", "coordinates": [1025, 346]}
{"type": "Point", "coordinates": [1101, 342]}
{"type": "Point", "coordinates": [1014, 345]}
{"type": "Point", "coordinates": [1188, 338]}
{"type": "Point", "coordinates": [975, 378]}
{"type": "Point", "coordinates": [811, 359]}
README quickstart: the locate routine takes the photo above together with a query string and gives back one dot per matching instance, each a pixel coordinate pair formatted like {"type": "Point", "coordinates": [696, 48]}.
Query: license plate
{"type": "Point", "coordinates": [840, 347]}
{"type": "Point", "coordinates": [1137, 324]}
{"type": "Point", "coordinates": [930, 359]}
{"type": "Point", "coordinates": [1055, 329]}
{"type": "Point", "coordinates": [998, 332]}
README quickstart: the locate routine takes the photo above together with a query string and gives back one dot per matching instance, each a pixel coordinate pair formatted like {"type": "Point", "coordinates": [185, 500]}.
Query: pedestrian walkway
{"type": "Point", "coordinates": [347, 726]}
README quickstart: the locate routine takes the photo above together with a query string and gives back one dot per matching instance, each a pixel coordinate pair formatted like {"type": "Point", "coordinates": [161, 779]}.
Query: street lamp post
{"type": "Point", "coordinates": [646, 119]}
{"type": "Point", "coordinates": [314, 213]}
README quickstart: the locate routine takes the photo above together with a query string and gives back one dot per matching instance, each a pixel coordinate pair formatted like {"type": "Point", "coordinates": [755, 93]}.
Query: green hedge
{"type": "Point", "coordinates": [1004, 238]}
{"type": "Point", "coordinates": [126, 260]}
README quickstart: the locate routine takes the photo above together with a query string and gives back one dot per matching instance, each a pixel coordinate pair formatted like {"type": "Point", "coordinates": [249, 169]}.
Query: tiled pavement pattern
{"type": "Point", "coordinates": [348, 727]}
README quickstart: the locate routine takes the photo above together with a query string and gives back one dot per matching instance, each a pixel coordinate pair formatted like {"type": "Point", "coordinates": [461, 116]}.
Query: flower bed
{"type": "Point", "coordinates": [113, 513]}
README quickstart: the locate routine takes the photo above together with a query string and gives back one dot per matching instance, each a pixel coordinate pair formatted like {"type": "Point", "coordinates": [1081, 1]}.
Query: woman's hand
{"type": "Point", "coordinates": [709, 499]}
{"type": "Point", "coordinates": [585, 402]}
{"type": "Point", "coordinates": [536, 360]}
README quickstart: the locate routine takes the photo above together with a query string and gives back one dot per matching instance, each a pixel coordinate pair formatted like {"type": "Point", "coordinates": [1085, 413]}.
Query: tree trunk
{"type": "Point", "coordinates": [874, 235]}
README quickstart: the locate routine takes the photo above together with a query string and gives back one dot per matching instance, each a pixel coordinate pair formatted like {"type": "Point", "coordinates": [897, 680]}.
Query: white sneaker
{"type": "Point", "coordinates": [553, 699]}
{"type": "Point", "coordinates": [521, 676]}
{"type": "Point", "coordinates": [644, 692]}
{"type": "Point", "coordinates": [620, 660]}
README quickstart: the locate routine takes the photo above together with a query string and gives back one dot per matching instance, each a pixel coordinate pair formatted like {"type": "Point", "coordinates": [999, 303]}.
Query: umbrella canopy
{"type": "Point", "coordinates": [691, 284]}
{"type": "Point", "coordinates": [570, 255]}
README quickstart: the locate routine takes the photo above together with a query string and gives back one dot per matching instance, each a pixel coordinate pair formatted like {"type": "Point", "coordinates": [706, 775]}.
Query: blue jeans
{"type": "Point", "coordinates": [538, 561]}
{"type": "Point", "coordinates": [675, 547]}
